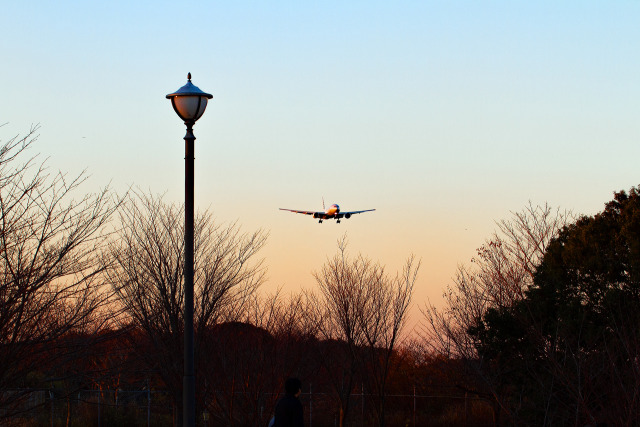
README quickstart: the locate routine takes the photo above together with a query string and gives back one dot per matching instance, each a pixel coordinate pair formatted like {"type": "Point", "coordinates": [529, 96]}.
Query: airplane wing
{"type": "Point", "coordinates": [303, 212]}
{"type": "Point", "coordinates": [356, 212]}
{"type": "Point", "coordinates": [348, 214]}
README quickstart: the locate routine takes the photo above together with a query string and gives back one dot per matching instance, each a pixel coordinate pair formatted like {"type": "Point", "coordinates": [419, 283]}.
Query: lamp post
{"type": "Point", "coordinates": [189, 103]}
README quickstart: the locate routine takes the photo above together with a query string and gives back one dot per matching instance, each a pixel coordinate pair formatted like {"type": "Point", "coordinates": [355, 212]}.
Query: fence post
{"type": "Point", "coordinates": [51, 397]}
{"type": "Point", "coordinates": [414, 406]}
{"type": "Point", "coordinates": [310, 405]}
{"type": "Point", "coordinates": [466, 409]}
{"type": "Point", "coordinates": [148, 405]}
{"type": "Point", "coordinates": [362, 398]}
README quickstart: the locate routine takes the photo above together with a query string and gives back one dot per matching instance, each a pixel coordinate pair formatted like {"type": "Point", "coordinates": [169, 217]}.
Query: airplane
{"type": "Point", "coordinates": [332, 213]}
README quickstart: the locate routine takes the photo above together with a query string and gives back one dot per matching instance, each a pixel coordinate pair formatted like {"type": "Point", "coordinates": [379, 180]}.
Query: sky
{"type": "Point", "coordinates": [444, 116]}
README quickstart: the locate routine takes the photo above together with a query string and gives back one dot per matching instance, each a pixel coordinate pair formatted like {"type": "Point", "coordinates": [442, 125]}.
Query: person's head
{"type": "Point", "coordinates": [292, 386]}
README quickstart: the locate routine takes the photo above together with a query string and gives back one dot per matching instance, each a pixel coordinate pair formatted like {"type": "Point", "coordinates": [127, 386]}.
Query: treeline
{"type": "Point", "coordinates": [238, 383]}
{"type": "Point", "coordinates": [541, 328]}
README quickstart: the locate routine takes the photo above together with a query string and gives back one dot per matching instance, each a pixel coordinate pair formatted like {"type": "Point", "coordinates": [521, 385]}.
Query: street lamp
{"type": "Point", "coordinates": [189, 103]}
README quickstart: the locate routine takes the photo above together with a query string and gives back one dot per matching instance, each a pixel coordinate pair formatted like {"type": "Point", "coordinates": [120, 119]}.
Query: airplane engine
{"type": "Point", "coordinates": [316, 215]}
{"type": "Point", "coordinates": [347, 215]}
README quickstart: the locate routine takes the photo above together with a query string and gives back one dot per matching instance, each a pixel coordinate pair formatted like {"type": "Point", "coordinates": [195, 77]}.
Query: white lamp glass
{"type": "Point", "coordinates": [190, 107]}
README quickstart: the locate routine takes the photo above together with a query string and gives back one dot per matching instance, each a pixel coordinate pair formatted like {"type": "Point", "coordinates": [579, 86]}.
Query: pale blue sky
{"type": "Point", "coordinates": [445, 116]}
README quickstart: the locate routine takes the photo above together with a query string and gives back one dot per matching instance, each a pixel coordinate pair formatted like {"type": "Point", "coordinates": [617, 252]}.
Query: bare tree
{"type": "Point", "coordinates": [146, 270]}
{"type": "Point", "coordinates": [362, 311]}
{"type": "Point", "coordinates": [49, 240]}
{"type": "Point", "coordinates": [499, 276]}
{"type": "Point", "coordinates": [337, 309]}
{"type": "Point", "coordinates": [382, 320]}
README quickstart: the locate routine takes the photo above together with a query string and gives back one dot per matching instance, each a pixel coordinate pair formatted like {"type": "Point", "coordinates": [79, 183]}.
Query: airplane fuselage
{"type": "Point", "coordinates": [333, 210]}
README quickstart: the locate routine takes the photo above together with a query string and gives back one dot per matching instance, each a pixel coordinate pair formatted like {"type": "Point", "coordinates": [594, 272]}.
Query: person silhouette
{"type": "Point", "coordinates": [288, 411]}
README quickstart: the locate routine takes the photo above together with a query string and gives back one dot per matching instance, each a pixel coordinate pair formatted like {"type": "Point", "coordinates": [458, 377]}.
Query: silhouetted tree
{"type": "Point", "coordinates": [382, 321]}
{"type": "Point", "coordinates": [364, 308]}
{"type": "Point", "coordinates": [146, 270]}
{"type": "Point", "coordinates": [498, 277]}
{"type": "Point", "coordinates": [50, 236]}
{"type": "Point", "coordinates": [572, 343]}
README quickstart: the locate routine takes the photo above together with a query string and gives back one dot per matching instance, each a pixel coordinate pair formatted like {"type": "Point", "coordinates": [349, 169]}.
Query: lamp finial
{"type": "Point", "coordinates": [189, 76]}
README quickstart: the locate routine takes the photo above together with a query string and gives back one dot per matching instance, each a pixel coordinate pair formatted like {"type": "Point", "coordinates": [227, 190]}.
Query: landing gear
{"type": "Point", "coordinates": [338, 221]}
{"type": "Point", "coordinates": [320, 221]}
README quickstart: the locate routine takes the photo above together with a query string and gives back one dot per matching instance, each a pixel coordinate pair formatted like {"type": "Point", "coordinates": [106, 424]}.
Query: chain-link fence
{"type": "Point", "coordinates": [401, 410]}
{"type": "Point", "coordinates": [105, 408]}
{"type": "Point", "coordinates": [88, 408]}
